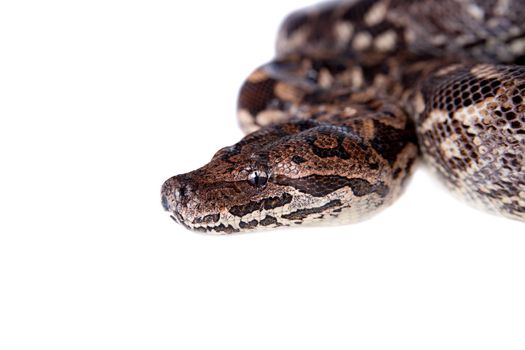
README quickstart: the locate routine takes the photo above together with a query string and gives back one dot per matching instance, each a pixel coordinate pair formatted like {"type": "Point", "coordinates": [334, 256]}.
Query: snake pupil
{"type": "Point", "coordinates": [258, 178]}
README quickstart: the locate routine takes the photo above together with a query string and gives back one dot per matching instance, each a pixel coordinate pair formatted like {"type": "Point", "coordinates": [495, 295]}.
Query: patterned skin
{"type": "Point", "coordinates": [334, 122]}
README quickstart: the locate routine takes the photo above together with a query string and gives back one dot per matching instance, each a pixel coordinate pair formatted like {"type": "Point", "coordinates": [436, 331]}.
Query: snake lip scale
{"type": "Point", "coordinates": [359, 91]}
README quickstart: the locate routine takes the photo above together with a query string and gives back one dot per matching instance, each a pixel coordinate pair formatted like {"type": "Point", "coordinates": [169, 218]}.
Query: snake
{"type": "Point", "coordinates": [357, 94]}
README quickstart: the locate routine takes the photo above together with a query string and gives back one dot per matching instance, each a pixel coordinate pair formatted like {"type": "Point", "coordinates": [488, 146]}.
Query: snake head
{"type": "Point", "coordinates": [213, 198]}
{"type": "Point", "coordinates": [287, 174]}
{"type": "Point", "coordinates": [232, 193]}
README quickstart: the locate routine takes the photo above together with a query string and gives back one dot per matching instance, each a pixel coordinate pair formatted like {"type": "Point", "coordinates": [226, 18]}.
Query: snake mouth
{"type": "Point", "coordinates": [174, 200]}
{"type": "Point", "coordinates": [196, 226]}
{"type": "Point", "coordinates": [179, 219]}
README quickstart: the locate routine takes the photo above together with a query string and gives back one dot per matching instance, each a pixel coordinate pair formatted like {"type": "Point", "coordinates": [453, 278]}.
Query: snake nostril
{"type": "Point", "coordinates": [182, 191]}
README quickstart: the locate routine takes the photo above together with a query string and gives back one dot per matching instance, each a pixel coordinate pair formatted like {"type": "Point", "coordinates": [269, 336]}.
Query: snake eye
{"type": "Point", "coordinates": [258, 178]}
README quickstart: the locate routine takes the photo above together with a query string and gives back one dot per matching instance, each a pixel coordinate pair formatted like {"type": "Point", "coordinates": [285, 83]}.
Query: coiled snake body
{"type": "Point", "coordinates": [358, 90]}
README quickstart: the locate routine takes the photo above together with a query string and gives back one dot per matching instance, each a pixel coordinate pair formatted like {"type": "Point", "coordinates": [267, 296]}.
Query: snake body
{"type": "Point", "coordinates": [357, 92]}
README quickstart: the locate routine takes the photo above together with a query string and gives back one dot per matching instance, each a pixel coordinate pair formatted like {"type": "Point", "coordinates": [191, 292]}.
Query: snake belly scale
{"type": "Point", "coordinates": [358, 91]}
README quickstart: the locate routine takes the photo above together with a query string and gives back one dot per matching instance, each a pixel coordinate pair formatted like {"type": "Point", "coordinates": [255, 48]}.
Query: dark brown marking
{"type": "Point", "coordinates": [274, 202]}
{"type": "Point", "coordinates": [268, 203]}
{"type": "Point", "coordinates": [304, 213]}
{"type": "Point", "coordinates": [255, 97]}
{"type": "Point", "coordinates": [361, 187]}
{"type": "Point", "coordinates": [337, 150]}
{"type": "Point", "coordinates": [224, 228]}
{"type": "Point", "coordinates": [298, 160]}
{"type": "Point", "coordinates": [295, 21]}
{"type": "Point", "coordinates": [321, 185]}
{"type": "Point", "coordinates": [249, 225]}
{"type": "Point", "coordinates": [207, 219]}
{"type": "Point", "coordinates": [396, 173]}
{"type": "Point", "coordinates": [269, 220]}
{"type": "Point", "coordinates": [389, 141]}
{"type": "Point", "coordinates": [358, 10]}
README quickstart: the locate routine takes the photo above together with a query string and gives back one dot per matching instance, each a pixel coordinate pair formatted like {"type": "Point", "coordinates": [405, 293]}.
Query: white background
{"type": "Point", "coordinates": [101, 101]}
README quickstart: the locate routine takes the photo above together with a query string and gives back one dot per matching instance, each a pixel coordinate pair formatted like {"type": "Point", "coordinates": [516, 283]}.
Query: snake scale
{"type": "Point", "coordinates": [357, 92]}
